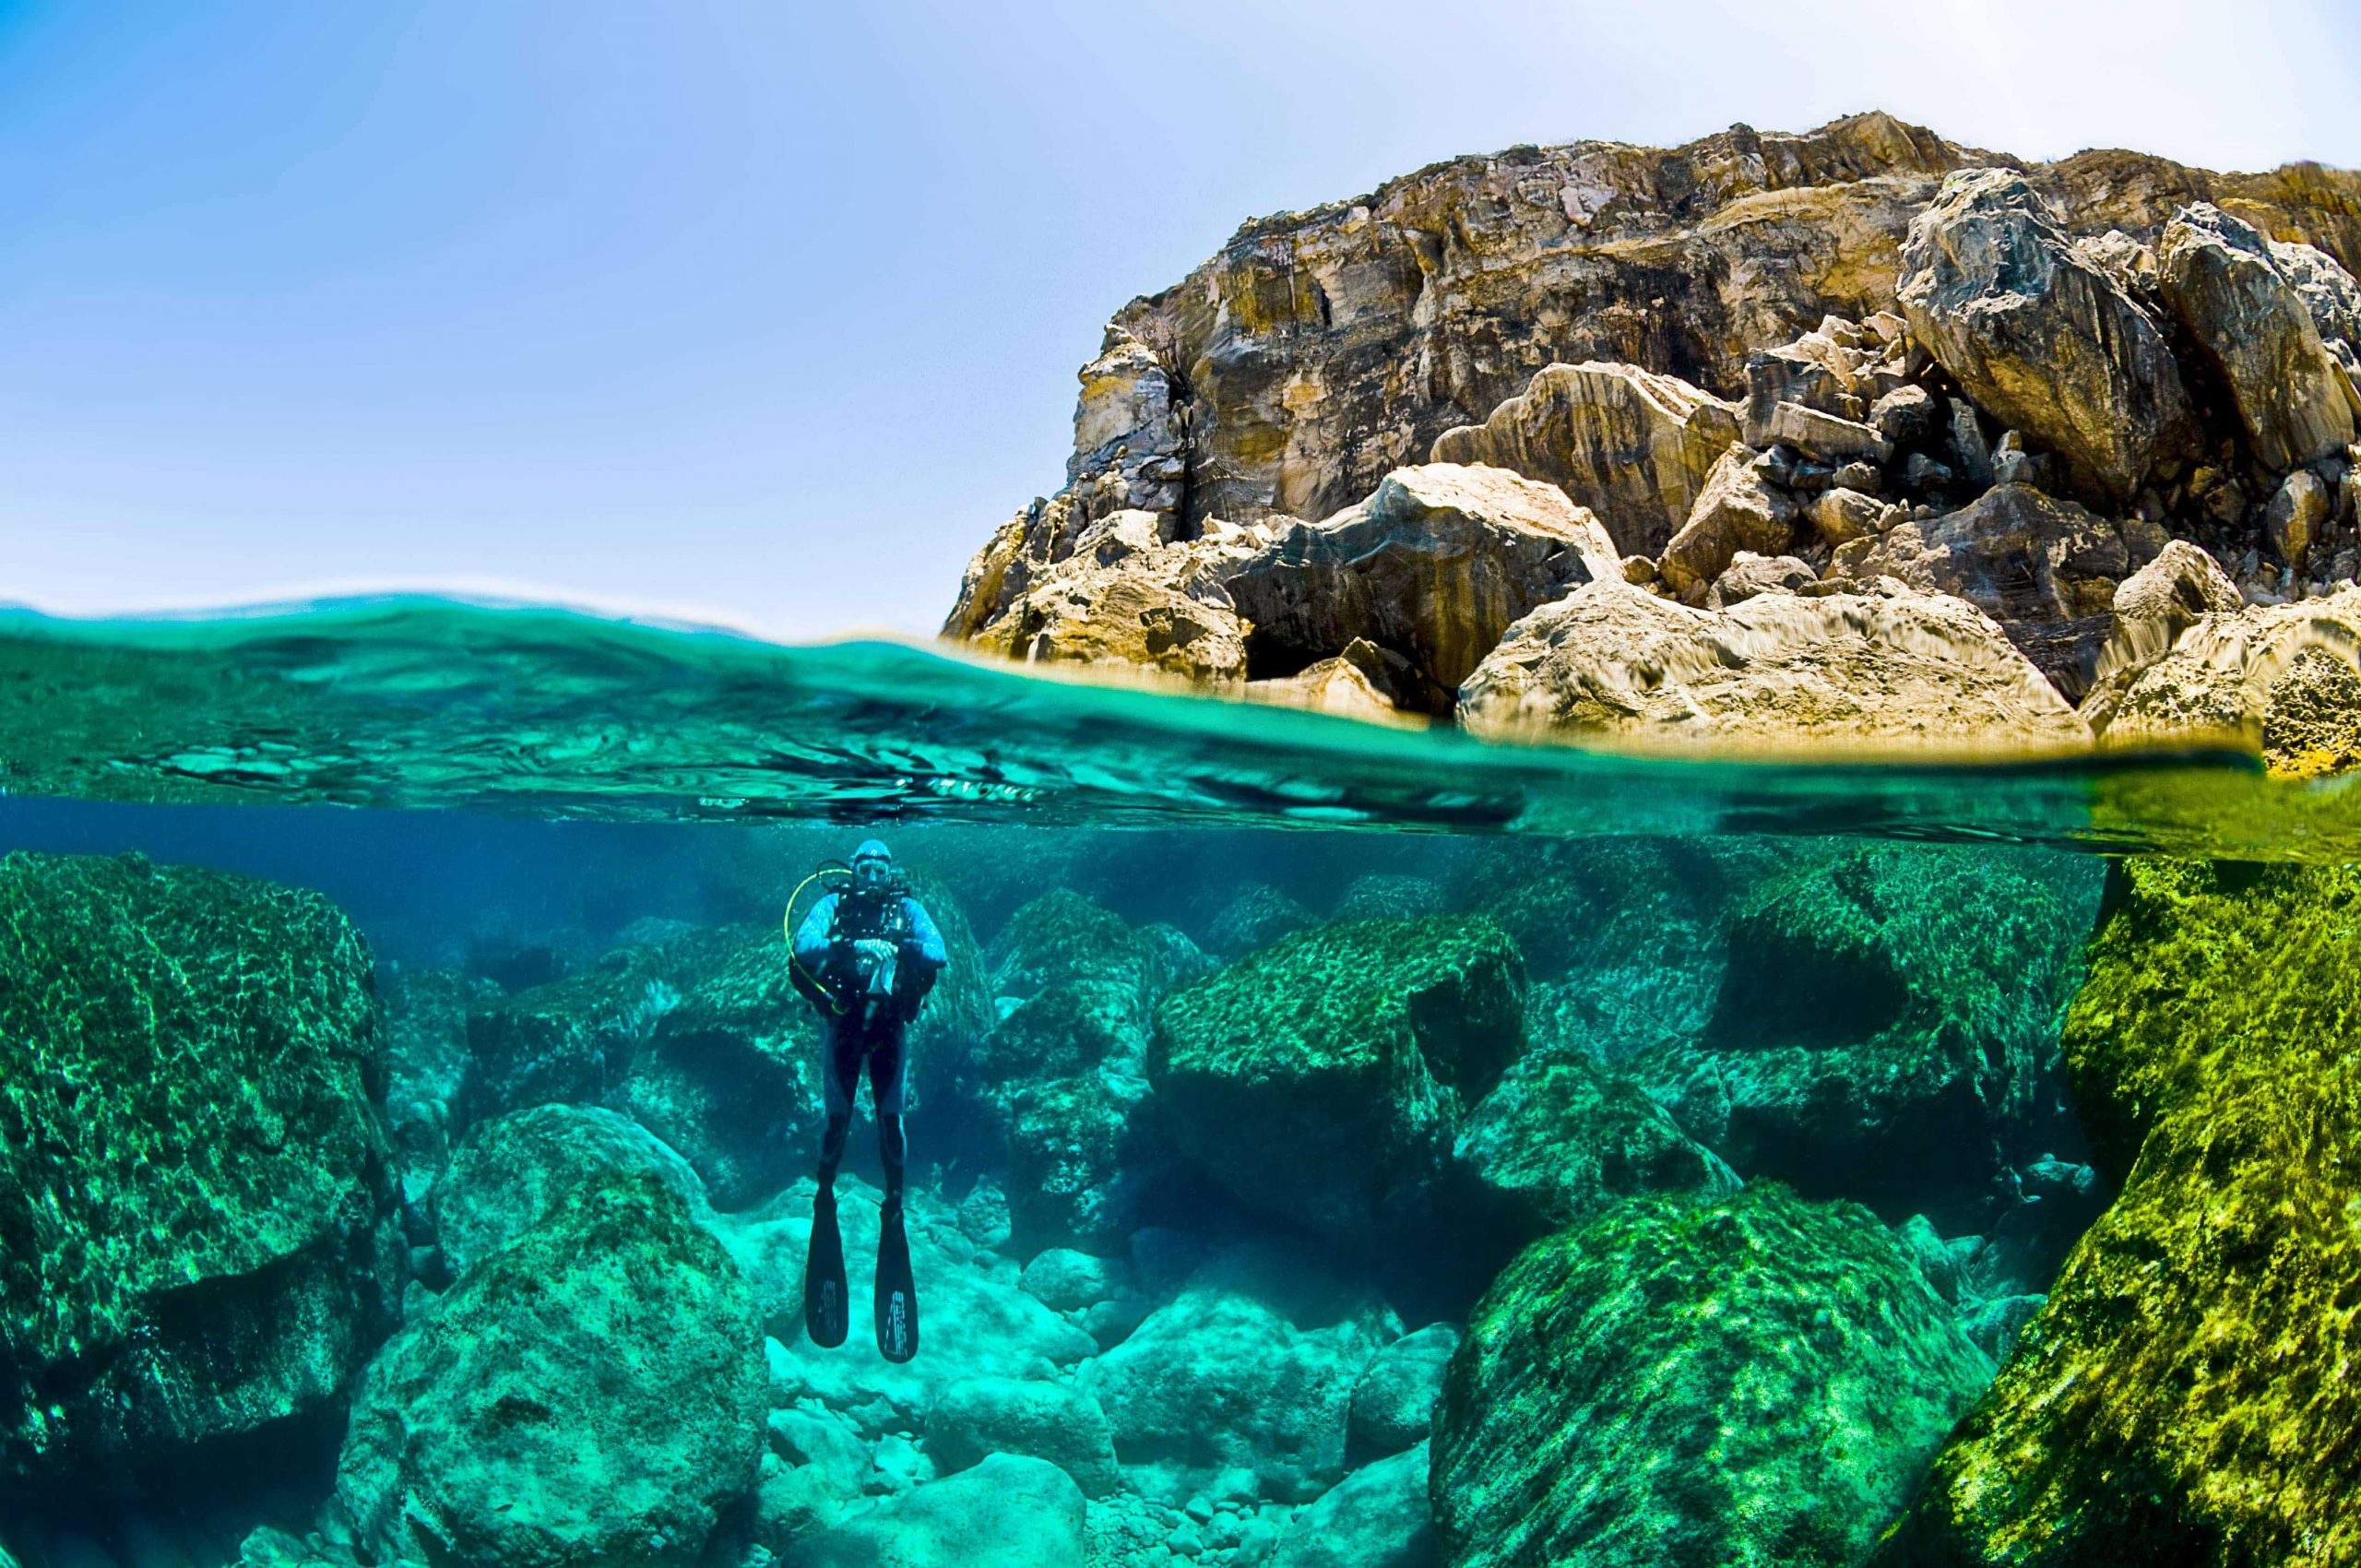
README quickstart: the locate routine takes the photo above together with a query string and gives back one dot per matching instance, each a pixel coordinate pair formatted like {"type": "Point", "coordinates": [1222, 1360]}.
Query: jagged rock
{"type": "Point", "coordinates": [1250, 1367]}
{"type": "Point", "coordinates": [1840, 516]}
{"type": "Point", "coordinates": [1748, 574]}
{"type": "Point", "coordinates": [1757, 1382]}
{"type": "Point", "coordinates": [200, 1237]}
{"type": "Point", "coordinates": [2297, 513]}
{"type": "Point", "coordinates": [1433, 566]}
{"type": "Point", "coordinates": [2040, 337]}
{"type": "Point", "coordinates": [1886, 1028]}
{"type": "Point", "coordinates": [2278, 679]}
{"type": "Point", "coordinates": [1827, 437]}
{"type": "Point", "coordinates": [1834, 371]}
{"type": "Point", "coordinates": [2045, 569]}
{"type": "Point", "coordinates": [1127, 594]}
{"type": "Point", "coordinates": [1376, 1518]}
{"type": "Point", "coordinates": [2155, 605]}
{"type": "Point", "coordinates": [1130, 436]}
{"type": "Point", "coordinates": [1008, 1509]}
{"type": "Point", "coordinates": [1886, 667]}
{"type": "Point", "coordinates": [1342, 1056]}
{"type": "Point", "coordinates": [1393, 1402]}
{"type": "Point", "coordinates": [2183, 1394]}
{"type": "Point", "coordinates": [2220, 279]}
{"type": "Point", "coordinates": [1364, 681]}
{"type": "Point", "coordinates": [1740, 508]}
{"type": "Point", "coordinates": [1907, 416]}
{"type": "Point", "coordinates": [978, 1417]}
{"type": "Point", "coordinates": [426, 1063]}
{"type": "Point", "coordinates": [1631, 446]}
{"type": "Point", "coordinates": [591, 1392]}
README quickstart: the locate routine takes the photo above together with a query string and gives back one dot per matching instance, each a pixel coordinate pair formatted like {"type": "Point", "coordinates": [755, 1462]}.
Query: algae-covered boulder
{"type": "Point", "coordinates": [1009, 1512]}
{"type": "Point", "coordinates": [1319, 1082]}
{"type": "Point", "coordinates": [1250, 1371]}
{"type": "Point", "coordinates": [195, 1212]}
{"type": "Point", "coordinates": [512, 1173]}
{"type": "Point", "coordinates": [590, 1394]}
{"type": "Point", "coordinates": [2187, 1395]}
{"type": "Point", "coordinates": [1757, 1382]}
{"type": "Point", "coordinates": [568, 1041]}
{"type": "Point", "coordinates": [1887, 1027]}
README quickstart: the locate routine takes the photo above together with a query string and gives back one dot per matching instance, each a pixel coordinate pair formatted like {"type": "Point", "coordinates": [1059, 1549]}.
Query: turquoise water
{"type": "Point", "coordinates": [1327, 1143]}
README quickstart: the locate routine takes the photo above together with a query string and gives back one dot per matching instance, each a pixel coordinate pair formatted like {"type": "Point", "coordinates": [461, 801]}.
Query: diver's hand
{"type": "Point", "coordinates": [873, 951]}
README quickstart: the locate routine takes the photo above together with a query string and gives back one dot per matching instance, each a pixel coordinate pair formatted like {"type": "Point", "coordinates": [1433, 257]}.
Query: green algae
{"type": "Point", "coordinates": [2187, 1394]}
{"type": "Point", "coordinates": [1756, 1383]}
{"type": "Point", "coordinates": [193, 1181]}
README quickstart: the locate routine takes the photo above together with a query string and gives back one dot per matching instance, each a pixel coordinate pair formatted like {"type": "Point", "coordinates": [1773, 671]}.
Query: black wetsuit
{"type": "Point", "coordinates": [868, 1033]}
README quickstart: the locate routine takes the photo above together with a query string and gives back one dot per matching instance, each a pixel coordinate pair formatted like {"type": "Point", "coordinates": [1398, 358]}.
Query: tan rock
{"type": "Point", "coordinates": [1739, 509]}
{"type": "Point", "coordinates": [1361, 683]}
{"type": "Point", "coordinates": [1434, 565]}
{"type": "Point", "coordinates": [2155, 605]}
{"type": "Point", "coordinates": [1827, 437]}
{"type": "Point", "coordinates": [2284, 680]}
{"type": "Point", "coordinates": [1840, 516]}
{"type": "Point", "coordinates": [1885, 670]}
{"type": "Point", "coordinates": [2297, 513]}
{"type": "Point", "coordinates": [1748, 574]}
{"type": "Point", "coordinates": [2228, 289]}
{"type": "Point", "coordinates": [1631, 446]}
{"type": "Point", "coordinates": [2039, 337]}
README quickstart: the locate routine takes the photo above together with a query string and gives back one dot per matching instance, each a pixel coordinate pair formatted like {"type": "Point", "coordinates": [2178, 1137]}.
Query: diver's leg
{"type": "Point", "coordinates": [887, 1068]}
{"type": "Point", "coordinates": [842, 1074]}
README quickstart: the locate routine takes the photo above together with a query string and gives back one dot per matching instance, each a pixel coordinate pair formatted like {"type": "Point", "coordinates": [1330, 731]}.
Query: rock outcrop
{"type": "Point", "coordinates": [1758, 1382]}
{"type": "Point", "coordinates": [2186, 1394]}
{"type": "Point", "coordinates": [1630, 444]}
{"type": "Point", "coordinates": [195, 1191]}
{"type": "Point", "coordinates": [2039, 336]}
{"type": "Point", "coordinates": [1887, 668]}
{"type": "Point", "coordinates": [1432, 567]}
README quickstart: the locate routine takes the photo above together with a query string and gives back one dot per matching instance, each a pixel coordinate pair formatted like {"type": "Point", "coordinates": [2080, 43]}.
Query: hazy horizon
{"type": "Point", "coordinates": [767, 318]}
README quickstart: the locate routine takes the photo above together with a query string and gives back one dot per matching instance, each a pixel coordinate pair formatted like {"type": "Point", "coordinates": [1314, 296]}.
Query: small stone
{"type": "Point", "coordinates": [1864, 477]}
{"type": "Point", "coordinates": [1922, 474]}
{"type": "Point", "coordinates": [2296, 515]}
{"type": "Point", "coordinates": [1186, 1541]}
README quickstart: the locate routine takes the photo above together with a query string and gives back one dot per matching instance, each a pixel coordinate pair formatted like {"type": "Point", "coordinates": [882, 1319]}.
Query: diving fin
{"type": "Point", "coordinates": [826, 1313]}
{"type": "Point", "coordinates": [897, 1296]}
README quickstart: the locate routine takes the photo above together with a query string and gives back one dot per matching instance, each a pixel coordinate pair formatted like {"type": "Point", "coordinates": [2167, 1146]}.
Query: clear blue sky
{"type": "Point", "coordinates": [771, 311]}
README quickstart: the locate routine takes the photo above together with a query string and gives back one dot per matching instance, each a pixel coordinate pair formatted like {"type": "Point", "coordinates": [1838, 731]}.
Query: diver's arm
{"type": "Point", "coordinates": [814, 944]}
{"type": "Point", "coordinates": [923, 946]}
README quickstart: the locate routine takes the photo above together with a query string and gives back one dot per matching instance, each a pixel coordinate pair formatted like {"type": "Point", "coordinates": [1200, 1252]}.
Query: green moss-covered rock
{"type": "Point", "coordinates": [1887, 1028]}
{"type": "Point", "coordinates": [1082, 1159]}
{"type": "Point", "coordinates": [1758, 1383]}
{"type": "Point", "coordinates": [512, 1173]}
{"type": "Point", "coordinates": [195, 1210]}
{"type": "Point", "coordinates": [591, 1395]}
{"type": "Point", "coordinates": [1320, 1081]}
{"type": "Point", "coordinates": [2188, 1394]}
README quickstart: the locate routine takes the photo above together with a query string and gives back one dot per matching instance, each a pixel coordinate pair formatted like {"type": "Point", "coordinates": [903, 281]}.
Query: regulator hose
{"type": "Point", "coordinates": [826, 867]}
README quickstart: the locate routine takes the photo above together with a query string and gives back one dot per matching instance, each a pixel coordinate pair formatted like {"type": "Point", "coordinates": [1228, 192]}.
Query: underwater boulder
{"type": "Point", "coordinates": [1249, 1371]}
{"type": "Point", "coordinates": [1887, 1028]}
{"type": "Point", "coordinates": [591, 1392]}
{"type": "Point", "coordinates": [1757, 1382]}
{"type": "Point", "coordinates": [1376, 1518]}
{"type": "Point", "coordinates": [1258, 916]}
{"type": "Point", "coordinates": [1393, 1403]}
{"type": "Point", "coordinates": [512, 1173]}
{"type": "Point", "coordinates": [197, 1213]}
{"type": "Point", "coordinates": [426, 1063]}
{"type": "Point", "coordinates": [2186, 1394]}
{"type": "Point", "coordinates": [568, 1042]}
{"type": "Point", "coordinates": [978, 1417]}
{"type": "Point", "coordinates": [1023, 1512]}
{"type": "Point", "coordinates": [1319, 1082]}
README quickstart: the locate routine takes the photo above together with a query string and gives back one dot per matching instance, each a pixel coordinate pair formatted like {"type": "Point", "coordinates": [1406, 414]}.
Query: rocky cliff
{"type": "Point", "coordinates": [1812, 364]}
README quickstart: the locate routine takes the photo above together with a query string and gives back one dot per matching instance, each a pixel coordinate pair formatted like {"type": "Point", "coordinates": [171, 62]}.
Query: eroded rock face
{"type": "Point", "coordinates": [2283, 679]}
{"type": "Point", "coordinates": [193, 1182]}
{"type": "Point", "coordinates": [2184, 1396]}
{"type": "Point", "coordinates": [1631, 446]}
{"type": "Point", "coordinates": [1756, 1382]}
{"type": "Point", "coordinates": [1882, 667]}
{"type": "Point", "coordinates": [2225, 282]}
{"type": "Point", "coordinates": [1433, 566]}
{"type": "Point", "coordinates": [2039, 336]}
{"type": "Point", "coordinates": [478, 1435]}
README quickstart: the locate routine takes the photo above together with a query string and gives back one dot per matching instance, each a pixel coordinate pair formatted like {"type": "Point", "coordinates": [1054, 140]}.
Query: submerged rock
{"type": "Point", "coordinates": [513, 1172]}
{"type": "Point", "coordinates": [1755, 1382]}
{"type": "Point", "coordinates": [2186, 1394]}
{"type": "Point", "coordinates": [977, 1418]}
{"type": "Point", "coordinates": [1884, 669]}
{"type": "Point", "coordinates": [1393, 1403]}
{"type": "Point", "coordinates": [198, 1215]}
{"type": "Point", "coordinates": [1007, 1510]}
{"type": "Point", "coordinates": [590, 1393]}
{"type": "Point", "coordinates": [1319, 1082]}
{"type": "Point", "coordinates": [1376, 1518]}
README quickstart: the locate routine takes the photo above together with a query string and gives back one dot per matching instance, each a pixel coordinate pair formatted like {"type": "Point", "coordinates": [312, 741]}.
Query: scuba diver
{"type": "Point", "coordinates": [865, 956]}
